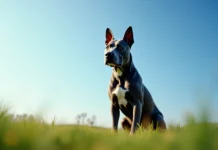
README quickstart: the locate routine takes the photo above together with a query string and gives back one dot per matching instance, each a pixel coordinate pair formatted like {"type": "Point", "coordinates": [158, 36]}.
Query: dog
{"type": "Point", "coordinates": [126, 89]}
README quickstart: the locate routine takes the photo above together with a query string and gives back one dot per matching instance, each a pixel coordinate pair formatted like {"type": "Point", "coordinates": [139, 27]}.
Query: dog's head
{"type": "Point", "coordinates": [117, 52]}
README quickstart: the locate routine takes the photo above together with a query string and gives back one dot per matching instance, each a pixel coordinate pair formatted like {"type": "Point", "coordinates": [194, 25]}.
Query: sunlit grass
{"type": "Point", "coordinates": [36, 134]}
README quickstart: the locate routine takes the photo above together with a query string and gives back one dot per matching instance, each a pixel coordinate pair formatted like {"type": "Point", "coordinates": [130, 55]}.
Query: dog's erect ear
{"type": "Point", "coordinates": [109, 36]}
{"type": "Point", "coordinates": [128, 36]}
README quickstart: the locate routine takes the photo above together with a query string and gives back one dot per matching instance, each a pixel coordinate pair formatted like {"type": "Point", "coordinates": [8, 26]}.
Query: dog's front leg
{"type": "Point", "coordinates": [115, 112]}
{"type": "Point", "coordinates": [137, 112]}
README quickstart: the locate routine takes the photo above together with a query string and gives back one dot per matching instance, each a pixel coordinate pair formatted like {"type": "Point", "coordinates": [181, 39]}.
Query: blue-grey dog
{"type": "Point", "coordinates": [126, 89]}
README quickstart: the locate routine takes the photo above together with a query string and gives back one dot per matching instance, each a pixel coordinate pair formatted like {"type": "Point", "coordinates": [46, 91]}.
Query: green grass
{"type": "Point", "coordinates": [34, 134]}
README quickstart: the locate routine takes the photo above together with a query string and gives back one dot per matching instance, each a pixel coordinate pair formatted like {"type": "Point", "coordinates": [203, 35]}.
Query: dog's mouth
{"type": "Point", "coordinates": [112, 64]}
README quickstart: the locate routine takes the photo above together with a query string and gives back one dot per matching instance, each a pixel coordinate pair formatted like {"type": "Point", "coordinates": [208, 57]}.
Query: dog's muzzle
{"type": "Point", "coordinates": [108, 58]}
{"type": "Point", "coordinates": [111, 59]}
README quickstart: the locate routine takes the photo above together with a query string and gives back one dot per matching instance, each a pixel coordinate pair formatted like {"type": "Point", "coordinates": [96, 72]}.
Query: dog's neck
{"type": "Point", "coordinates": [121, 73]}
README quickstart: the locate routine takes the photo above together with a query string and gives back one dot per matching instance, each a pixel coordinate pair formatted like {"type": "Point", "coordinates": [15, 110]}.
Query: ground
{"type": "Point", "coordinates": [32, 134]}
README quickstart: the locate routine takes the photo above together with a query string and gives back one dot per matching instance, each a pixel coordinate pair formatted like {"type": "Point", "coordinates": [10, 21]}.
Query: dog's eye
{"type": "Point", "coordinates": [120, 47]}
{"type": "Point", "coordinates": [111, 45]}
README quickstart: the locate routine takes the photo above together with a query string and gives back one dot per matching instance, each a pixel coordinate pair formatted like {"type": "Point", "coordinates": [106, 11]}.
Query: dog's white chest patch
{"type": "Point", "coordinates": [118, 72]}
{"type": "Point", "coordinates": [120, 93]}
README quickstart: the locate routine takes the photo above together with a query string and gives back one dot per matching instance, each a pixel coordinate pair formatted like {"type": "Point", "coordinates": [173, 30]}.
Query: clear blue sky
{"type": "Point", "coordinates": [51, 54]}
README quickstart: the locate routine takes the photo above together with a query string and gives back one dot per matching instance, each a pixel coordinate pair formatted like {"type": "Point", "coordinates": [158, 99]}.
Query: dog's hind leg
{"type": "Point", "coordinates": [159, 122]}
{"type": "Point", "coordinates": [126, 123]}
{"type": "Point", "coordinates": [146, 120]}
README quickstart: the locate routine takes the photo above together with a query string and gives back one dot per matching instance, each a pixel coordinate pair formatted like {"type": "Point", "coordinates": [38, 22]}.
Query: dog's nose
{"type": "Point", "coordinates": [109, 55]}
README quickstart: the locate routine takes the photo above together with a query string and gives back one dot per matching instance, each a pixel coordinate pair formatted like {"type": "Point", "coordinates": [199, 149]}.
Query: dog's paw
{"type": "Point", "coordinates": [131, 133]}
{"type": "Point", "coordinates": [113, 131]}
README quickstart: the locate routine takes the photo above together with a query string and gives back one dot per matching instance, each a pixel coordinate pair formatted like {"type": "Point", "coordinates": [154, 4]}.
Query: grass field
{"type": "Point", "coordinates": [33, 134]}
